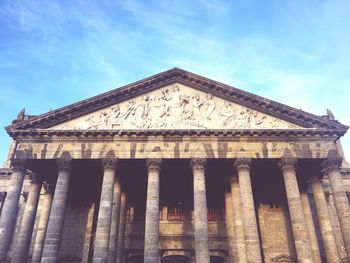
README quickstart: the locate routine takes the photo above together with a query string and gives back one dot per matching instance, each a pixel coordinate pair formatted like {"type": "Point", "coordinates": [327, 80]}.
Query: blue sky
{"type": "Point", "coordinates": [54, 53]}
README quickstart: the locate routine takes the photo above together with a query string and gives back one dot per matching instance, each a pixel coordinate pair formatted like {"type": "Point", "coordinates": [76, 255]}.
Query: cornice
{"type": "Point", "coordinates": [98, 135]}
{"type": "Point", "coordinates": [171, 76]}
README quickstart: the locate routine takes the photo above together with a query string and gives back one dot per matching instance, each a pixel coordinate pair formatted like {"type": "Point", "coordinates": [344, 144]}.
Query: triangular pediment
{"type": "Point", "coordinates": [176, 106]}
{"type": "Point", "coordinates": [175, 99]}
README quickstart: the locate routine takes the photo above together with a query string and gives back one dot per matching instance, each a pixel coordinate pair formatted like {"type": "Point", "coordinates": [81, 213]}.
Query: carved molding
{"type": "Point", "coordinates": [153, 164]}
{"type": "Point", "coordinates": [178, 107]}
{"type": "Point", "coordinates": [287, 163]}
{"type": "Point", "coordinates": [283, 258]}
{"type": "Point", "coordinates": [241, 163]}
{"type": "Point", "coordinates": [109, 163]}
{"type": "Point", "coordinates": [198, 163]}
{"type": "Point", "coordinates": [331, 164]}
{"type": "Point", "coordinates": [18, 164]}
{"type": "Point", "coordinates": [64, 164]}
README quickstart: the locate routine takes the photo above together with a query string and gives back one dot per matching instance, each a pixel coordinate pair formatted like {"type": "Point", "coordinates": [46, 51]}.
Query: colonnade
{"type": "Point", "coordinates": [244, 242]}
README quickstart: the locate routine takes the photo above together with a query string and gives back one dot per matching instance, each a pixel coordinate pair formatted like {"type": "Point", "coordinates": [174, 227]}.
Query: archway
{"type": "Point", "coordinates": [216, 259]}
{"type": "Point", "coordinates": [135, 259]}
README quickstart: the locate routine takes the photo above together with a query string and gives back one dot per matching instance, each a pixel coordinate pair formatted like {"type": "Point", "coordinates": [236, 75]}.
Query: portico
{"type": "Point", "coordinates": [176, 169]}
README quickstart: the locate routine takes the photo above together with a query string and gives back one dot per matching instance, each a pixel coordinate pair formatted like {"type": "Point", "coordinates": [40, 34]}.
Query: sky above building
{"type": "Point", "coordinates": [54, 53]}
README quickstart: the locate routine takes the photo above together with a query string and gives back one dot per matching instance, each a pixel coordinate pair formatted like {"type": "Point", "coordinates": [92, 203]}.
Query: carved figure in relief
{"type": "Point", "coordinates": [210, 105]}
{"type": "Point", "coordinates": [197, 104]}
{"type": "Point", "coordinates": [249, 118]}
{"type": "Point", "coordinates": [227, 112]}
{"type": "Point", "coordinates": [115, 117]}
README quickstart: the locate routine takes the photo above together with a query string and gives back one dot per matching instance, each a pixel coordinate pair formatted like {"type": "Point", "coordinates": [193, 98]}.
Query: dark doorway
{"type": "Point", "coordinates": [135, 259]}
{"type": "Point", "coordinates": [175, 259]}
{"type": "Point", "coordinates": [216, 259]}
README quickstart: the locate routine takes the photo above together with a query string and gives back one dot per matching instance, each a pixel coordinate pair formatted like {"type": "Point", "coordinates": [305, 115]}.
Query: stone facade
{"type": "Point", "coordinates": [175, 168]}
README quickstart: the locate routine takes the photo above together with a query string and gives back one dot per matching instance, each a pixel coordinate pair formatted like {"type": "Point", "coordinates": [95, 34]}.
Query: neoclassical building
{"type": "Point", "coordinates": [175, 168]}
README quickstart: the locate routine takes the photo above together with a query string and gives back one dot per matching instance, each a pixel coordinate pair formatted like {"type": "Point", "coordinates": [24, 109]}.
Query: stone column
{"type": "Point", "coordinates": [332, 167]}
{"type": "Point", "coordinates": [324, 219]}
{"type": "Point", "coordinates": [300, 233]}
{"type": "Point", "coordinates": [200, 211]}
{"type": "Point", "coordinates": [251, 234]}
{"type": "Point", "coordinates": [10, 207]}
{"type": "Point", "coordinates": [240, 256]}
{"type": "Point", "coordinates": [105, 211]}
{"type": "Point", "coordinates": [21, 249]}
{"type": "Point", "coordinates": [113, 239]}
{"type": "Point", "coordinates": [56, 219]}
{"type": "Point", "coordinates": [231, 238]}
{"type": "Point", "coordinates": [121, 230]}
{"type": "Point", "coordinates": [151, 251]}
{"type": "Point", "coordinates": [310, 227]}
{"type": "Point", "coordinates": [42, 226]}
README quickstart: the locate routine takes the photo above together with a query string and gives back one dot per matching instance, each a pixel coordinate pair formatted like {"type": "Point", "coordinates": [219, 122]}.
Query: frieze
{"type": "Point", "coordinates": [176, 107]}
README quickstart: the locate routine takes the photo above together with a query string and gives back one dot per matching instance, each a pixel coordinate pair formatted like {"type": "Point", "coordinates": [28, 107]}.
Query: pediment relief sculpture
{"type": "Point", "coordinates": [176, 107]}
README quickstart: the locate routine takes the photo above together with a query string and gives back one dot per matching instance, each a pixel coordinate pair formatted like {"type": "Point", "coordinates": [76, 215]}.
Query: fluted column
{"type": "Point", "coordinates": [105, 211]}
{"type": "Point", "coordinates": [113, 239]}
{"type": "Point", "coordinates": [325, 222]}
{"type": "Point", "coordinates": [21, 249]}
{"type": "Point", "coordinates": [300, 233]}
{"type": "Point", "coordinates": [310, 227]}
{"type": "Point", "coordinates": [332, 167]}
{"type": "Point", "coordinates": [231, 238]}
{"type": "Point", "coordinates": [56, 219]}
{"type": "Point", "coordinates": [240, 255]}
{"type": "Point", "coordinates": [42, 226]}
{"type": "Point", "coordinates": [121, 230]}
{"type": "Point", "coordinates": [151, 253]}
{"type": "Point", "coordinates": [251, 235]}
{"type": "Point", "coordinates": [200, 211]}
{"type": "Point", "coordinates": [10, 207]}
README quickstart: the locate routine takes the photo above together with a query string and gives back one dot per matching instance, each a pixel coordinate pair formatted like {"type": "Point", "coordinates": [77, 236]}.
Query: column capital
{"type": "Point", "coordinates": [198, 163]}
{"type": "Point", "coordinates": [153, 164]}
{"type": "Point", "coordinates": [233, 178]}
{"type": "Point", "coordinates": [47, 187]}
{"type": "Point", "coordinates": [331, 163]}
{"type": "Point", "coordinates": [242, 163]}
{"type": "Point", "coordinates": [64, 163]}
{"type": "Point", "coordinates": [109, 163]}
{"type": "Point", "coordinates": [18, 164]}
{"type": "Point", "coordinates": [34, 178]}
{"type": "Point", "coordinates": [287, 163]}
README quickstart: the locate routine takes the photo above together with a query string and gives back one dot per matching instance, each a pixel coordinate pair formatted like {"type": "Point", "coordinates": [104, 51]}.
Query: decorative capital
{"type": "Point", "coordinates": [287, 163]}
{"type": "Point", "coordinates": [109, 163]}
{"type": "Point", "coordinates": [18, 164]}
{"type": "Point", "coordinates": [34, 178]}
{"type": "Point", "coordinates": [198, 163]}
{"type": "Point", "coordinates": [233, 178]}
{"type": "Point", "coordinates": [47, 188]}
{"type": "Point", "coordinates": [331, 163]}
{"type": "Point", "coordinates": [64, 163]}
{"type": "Point", "coordinates": [153, 164]}
{"type": "Point", "coordinates": [243, 163]}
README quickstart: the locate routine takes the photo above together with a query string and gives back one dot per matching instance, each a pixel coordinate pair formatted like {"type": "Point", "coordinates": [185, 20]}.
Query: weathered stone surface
{"type": "Point", "coordinates": [325, 222]}
{"type": "Point", "coordinates": [340, 199]}
{"type": "Point", "coordinates": [121, 229]}
{"type": "Point", "coordinates": [21, 250]}
{"type": "Point", "coordinates": [105, 212]}
{"type": "Point", "coordinates": [240, 255]}
{"type": "Point", "coordinates": [151, 254]}
{"type": "Point", "coordinates": [200, 210]}
{"type": "Point", "coordinates": [55, 226]}
{"type": "Point", "coordinates": [300, 233]}
{"type": "Point", "coordinates": [42, 226]}
{"type": "Point", "coordinates": [230, 233]}
{"type": "Point", "coordinates": [251, 235]}
{"type": "Point", "coordinates": [9, 210]}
